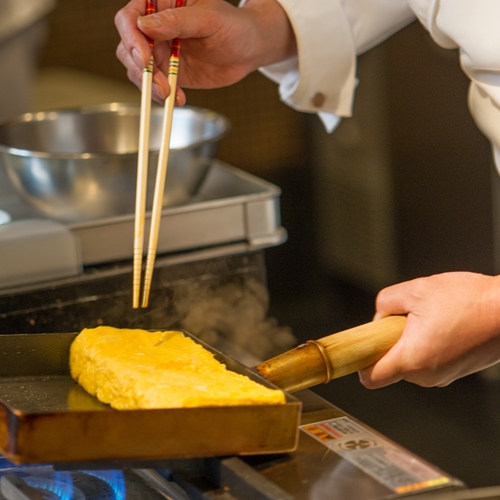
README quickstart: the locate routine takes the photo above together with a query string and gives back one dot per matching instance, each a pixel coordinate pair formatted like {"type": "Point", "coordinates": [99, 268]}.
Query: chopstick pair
{"type": "Point", "coordinates": [142, 167]}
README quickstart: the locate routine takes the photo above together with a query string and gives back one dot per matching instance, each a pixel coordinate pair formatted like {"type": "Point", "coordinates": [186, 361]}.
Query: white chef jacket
{"type": "Point", "coordinates": [330, 33]}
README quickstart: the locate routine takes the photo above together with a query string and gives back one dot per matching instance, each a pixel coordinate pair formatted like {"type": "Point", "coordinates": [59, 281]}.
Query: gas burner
{"type": "Point", "coordinates": [14, 487]}
{"type": "Point", "coordinates": [46, 483]}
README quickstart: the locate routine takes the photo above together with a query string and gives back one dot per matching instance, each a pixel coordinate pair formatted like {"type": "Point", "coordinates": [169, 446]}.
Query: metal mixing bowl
{"type": "Point", "coordinates": [81, 164]}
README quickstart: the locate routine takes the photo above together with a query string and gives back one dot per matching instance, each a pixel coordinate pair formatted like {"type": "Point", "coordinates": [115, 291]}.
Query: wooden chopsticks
{"type": "Point", "coordinates": [142, 166]}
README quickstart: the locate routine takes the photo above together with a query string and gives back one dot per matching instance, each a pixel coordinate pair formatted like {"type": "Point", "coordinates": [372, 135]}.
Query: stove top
{"type": "Point", "coordinates": [338, 457]}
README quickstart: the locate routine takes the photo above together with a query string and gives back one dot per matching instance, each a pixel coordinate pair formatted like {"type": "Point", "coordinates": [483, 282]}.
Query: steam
{"type": "Point", "coordinates": [235, 314]}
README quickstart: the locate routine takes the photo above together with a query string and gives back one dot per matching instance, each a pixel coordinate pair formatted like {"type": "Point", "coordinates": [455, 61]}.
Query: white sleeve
{"type": "Point", "coordinates": [473, 27]}
{"type": "Point", "coordinates": [330, 33]}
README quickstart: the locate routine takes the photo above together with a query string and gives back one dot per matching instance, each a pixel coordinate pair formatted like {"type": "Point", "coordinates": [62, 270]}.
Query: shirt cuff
{"type": "Point", "coordinates": [322, 78]}
{"type": "Point", "coordinates": [485, 108]}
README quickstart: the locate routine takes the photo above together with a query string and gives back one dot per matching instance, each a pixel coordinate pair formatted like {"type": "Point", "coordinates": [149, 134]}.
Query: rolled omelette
{"type": "Point", "coordinates": [132, 369]}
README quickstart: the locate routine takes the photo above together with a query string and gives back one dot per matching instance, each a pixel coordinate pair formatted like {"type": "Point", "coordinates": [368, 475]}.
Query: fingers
{"type": "Point", "coordinates": [402, 362]}
{"type": "Point", "coordinates": [134, 71]}
{"type": "Point", "coordinates": [398, 299]}
{"type": "Point", "coordinates": [132, 39]}
{"type": "Point", "coordinates": [134, 79]}
{"type": "Point", "coordinates": [186, 22]}
{"type": "Point", "coordinates": [160, 86]}
{"type": "Point", "coordinates": [384, 372]}
{"type": "Point", "coordinates": [370, 382]}
{"type": "Point", "coordinates": [158, 93]}
{"type": "Point", "coordinates": [134, 52]}
{"type": "Point", "coordinates": [391, 300]}
{"type": "Point", "coordinates": [180, 97]}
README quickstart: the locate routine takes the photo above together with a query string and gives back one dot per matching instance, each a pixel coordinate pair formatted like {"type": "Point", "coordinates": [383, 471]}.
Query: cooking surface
{"type": "Point", "coordinates": [45, 394]}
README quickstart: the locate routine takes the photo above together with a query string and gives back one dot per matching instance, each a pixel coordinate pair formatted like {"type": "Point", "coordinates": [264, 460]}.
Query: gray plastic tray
{"type": "Point", "coordinates": [231, 206]}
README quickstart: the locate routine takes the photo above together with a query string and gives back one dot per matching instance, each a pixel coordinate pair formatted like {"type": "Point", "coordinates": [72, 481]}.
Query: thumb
{"type": "Point", "coordinates": [377, 376]}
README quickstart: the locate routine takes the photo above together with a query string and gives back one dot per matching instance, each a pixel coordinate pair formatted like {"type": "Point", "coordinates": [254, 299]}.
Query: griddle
{"type": "Point", "coordinates": [47, 417]}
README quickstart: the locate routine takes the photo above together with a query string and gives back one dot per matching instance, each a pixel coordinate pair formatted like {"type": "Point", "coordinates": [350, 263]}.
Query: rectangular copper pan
{"type": "Point", "coordinates": [46, 417]}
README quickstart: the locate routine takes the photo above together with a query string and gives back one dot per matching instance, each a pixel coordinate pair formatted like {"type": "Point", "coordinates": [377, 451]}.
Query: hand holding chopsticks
{"type": "Point", "coordinates": [142, 166]}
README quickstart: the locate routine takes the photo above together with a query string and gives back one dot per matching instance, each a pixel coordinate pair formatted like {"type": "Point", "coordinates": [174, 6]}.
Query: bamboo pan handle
{"type": "Point", "coordinates": [339, 354]}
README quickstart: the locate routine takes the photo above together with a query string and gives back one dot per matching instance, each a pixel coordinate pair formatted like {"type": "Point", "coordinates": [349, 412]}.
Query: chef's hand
{"type": "Point", "coordinates": [221, 43]}
{"type": "Point", "coordinates": [453, 329]}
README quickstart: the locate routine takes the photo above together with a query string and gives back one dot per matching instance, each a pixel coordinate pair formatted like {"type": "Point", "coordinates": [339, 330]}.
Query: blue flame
{"type": "Point", "coordinates": [113, 478]}
{"type": "Point", "coordinates": [62, 486]}
{"type": "Point", "coordinates": [61, 482]}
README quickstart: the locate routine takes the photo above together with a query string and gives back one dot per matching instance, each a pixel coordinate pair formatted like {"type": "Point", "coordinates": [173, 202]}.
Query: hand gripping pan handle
{"type": "Point", "coordinates": [339, 354]}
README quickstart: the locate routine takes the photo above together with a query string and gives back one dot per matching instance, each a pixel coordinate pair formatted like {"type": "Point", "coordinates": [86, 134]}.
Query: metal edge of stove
{"type": "Point", "coordinates": [169, 489]}
{"type": "Point", "coordinates": [401, 471]}
{"type": "Point", "coordinates": [55, 434]}
{"type": "Point", "coordinates": [486, 493]}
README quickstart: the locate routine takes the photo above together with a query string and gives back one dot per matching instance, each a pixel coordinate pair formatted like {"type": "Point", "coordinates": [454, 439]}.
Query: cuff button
{"type": "Point", "coordinates": [318, 99]}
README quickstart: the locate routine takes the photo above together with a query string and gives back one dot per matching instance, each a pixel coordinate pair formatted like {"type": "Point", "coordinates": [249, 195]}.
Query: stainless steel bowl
{"type": "Point", "coordinates": [81, 164]}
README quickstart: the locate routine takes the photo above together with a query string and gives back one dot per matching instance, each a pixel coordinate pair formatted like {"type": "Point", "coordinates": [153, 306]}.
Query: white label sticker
{"type": "Point", "coordinates": [394, 467]}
